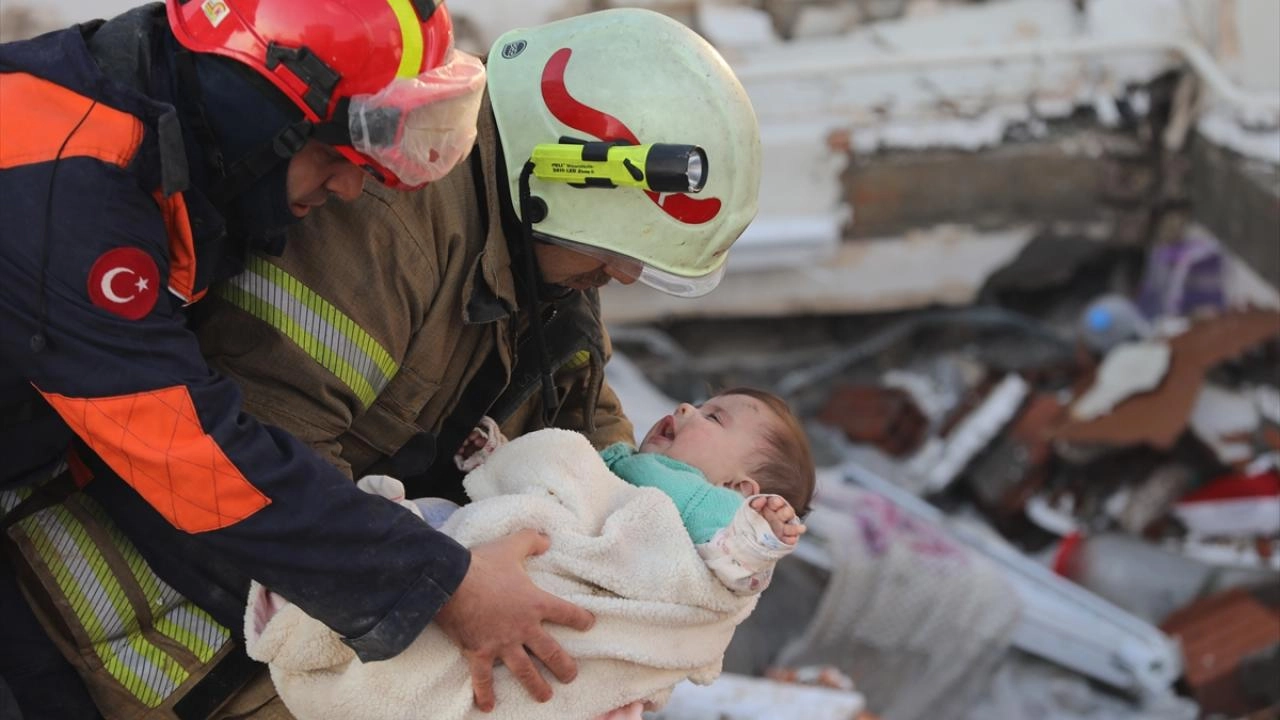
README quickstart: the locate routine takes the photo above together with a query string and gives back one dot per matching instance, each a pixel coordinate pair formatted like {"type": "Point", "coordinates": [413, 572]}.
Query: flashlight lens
{"type": "Point", "coordinates": [697, 170]}
{"type": "Point", "coordinates": [674, 168]}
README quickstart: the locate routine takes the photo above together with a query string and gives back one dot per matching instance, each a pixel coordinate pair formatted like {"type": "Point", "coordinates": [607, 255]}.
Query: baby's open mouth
{"type": "Point", "coordinates": [667, 428]}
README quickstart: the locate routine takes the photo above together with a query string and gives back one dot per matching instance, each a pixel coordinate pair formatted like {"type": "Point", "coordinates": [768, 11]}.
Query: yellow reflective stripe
{"type": "Point", "coordinates": [579, 359]}
{"type": "Point", "coordinates": [161, 660]}
{"type": "Point", "coordinates": [340, 329]}
{"type": "Point", "coordinates": [410, 38]}
{"type": "Point", "coordinates": [124, 661]}
{"type": "Point", "coordinates": [195, 629]}
{"type": "Point", "coordinates": [74, 560]}
{"type": "Point", "coordinates": [122, 619]}
{"type": "Point", "coordinates": [314, 324]}
{"type": "Point", "coordinates": [173, 615]}
{"type": "Point", "coordinates": [147, 580]}
{"type": "Point", "coordinates": [319, 352]}
{"type": "Point", "coordinates": [9, 499]}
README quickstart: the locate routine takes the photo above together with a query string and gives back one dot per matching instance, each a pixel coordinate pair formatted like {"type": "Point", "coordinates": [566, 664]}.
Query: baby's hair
{"type": "Point", "coordinates": [788, 468]}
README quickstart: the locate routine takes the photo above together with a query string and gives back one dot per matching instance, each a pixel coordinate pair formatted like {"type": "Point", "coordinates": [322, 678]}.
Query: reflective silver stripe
{"type": "Point", "coordinates": [329, 336]}
{"type": "Point", "coordinates": [174, 616]}
{"type": "Point", "coordinates": [96, 595]}
{"type": "Point", "coordinates": [198, 625]}
{"type": "Point", "coordinates": [98, 601]}
{"type": "Point", "coordinates": [9, 499]}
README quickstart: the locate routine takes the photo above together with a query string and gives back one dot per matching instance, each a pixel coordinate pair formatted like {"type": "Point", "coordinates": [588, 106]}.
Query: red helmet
{"type": "Point", "coordinates": [379, 79]}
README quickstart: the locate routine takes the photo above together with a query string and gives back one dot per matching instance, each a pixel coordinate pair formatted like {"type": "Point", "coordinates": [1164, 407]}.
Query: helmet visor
{"type": "Point", "coordinates": [415, 130]}
{"type": "Point", "coordinates": [626, 266]}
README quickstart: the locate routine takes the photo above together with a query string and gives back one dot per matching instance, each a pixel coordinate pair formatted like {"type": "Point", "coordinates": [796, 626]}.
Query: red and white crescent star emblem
{"type": "Point", "coordinates": [124, 281]}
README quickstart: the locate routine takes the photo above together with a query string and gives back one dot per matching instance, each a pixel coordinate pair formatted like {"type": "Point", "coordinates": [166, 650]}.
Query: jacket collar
{"type": "Point", "coordinates": [490, 290]}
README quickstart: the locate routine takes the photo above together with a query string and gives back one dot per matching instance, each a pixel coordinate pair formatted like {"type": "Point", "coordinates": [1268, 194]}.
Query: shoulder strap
{"type": "Point", "coordinates": [46, 494]}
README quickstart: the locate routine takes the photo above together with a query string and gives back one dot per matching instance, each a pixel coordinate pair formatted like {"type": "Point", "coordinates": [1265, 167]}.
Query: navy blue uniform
{"type": "Point", "coordinates": [97, 265]}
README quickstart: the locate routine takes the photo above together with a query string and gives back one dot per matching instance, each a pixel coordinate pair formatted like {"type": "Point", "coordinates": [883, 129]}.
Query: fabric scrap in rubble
{"type": "Point", "coordinates": [918, 620]}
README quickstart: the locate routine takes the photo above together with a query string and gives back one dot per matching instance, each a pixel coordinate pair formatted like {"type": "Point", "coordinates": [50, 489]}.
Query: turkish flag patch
{"type": "Point", "coordinates": [125, 282]}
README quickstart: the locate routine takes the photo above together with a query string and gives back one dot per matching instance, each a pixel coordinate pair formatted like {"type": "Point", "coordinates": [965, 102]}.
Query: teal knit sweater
{"type": "Point", "coordinates": [704, 508]}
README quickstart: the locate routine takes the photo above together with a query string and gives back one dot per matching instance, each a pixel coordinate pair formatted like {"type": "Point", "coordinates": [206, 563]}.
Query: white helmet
{"type": "Point", "coordinates": [631, 77]}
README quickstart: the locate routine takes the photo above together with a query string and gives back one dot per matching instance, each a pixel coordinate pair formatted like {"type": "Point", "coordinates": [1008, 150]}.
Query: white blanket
{"type": "Point", "coordinates": [619, 551]}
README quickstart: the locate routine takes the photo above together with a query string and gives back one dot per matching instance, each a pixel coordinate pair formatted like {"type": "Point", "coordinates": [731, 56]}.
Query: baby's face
{"type": "Point", "coordinates": [723, 438]}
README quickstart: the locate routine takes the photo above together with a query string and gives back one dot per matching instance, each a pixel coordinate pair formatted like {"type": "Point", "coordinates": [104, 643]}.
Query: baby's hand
{"type": "Point", "coordinates": [780, 516]}
{"type": "Point", "coordinates": [483, 441]}
{"type": "Point", "coordinates": [474, 443]}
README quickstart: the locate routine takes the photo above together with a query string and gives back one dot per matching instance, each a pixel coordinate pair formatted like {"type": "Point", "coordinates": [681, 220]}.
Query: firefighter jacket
{"type": "Point", "coordinates": [400, 326]}
{"type": "Point", "coordinates": [102, 247]}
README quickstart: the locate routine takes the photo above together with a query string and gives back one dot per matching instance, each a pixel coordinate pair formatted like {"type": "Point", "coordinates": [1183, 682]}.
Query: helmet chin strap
{"type": "Point", "coordinates": [550, 400]}
{"type": "Point", "coordinates": [232, 180]}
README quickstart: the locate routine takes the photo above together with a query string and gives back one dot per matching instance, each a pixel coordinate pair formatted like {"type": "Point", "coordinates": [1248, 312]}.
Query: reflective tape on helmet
{"type": "Point", "coordinates": [323, 331]}
{"type": "Point", "coordinates": [410, 37]}
{"type": "Point", "coordinates": [113, 601]}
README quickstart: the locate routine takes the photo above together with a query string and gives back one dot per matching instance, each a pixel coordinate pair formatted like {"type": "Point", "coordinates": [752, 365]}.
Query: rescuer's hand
{"type": "Point", "coordinates": [496, 614]}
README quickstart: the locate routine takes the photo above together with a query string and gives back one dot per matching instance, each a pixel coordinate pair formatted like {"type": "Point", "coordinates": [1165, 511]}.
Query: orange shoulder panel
{"type": "Point", "coordinates": [182, 246]}
{"type": "Point", "coordinates": [155, 442]}
{"type": "Point", "coordinates": [36, 116]}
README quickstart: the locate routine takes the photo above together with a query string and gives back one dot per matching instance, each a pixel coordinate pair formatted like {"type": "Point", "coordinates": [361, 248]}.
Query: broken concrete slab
{"type": "Point", "coordinates": [1128, 370]}
{"type": "Point", "coordinates": [1225, 421]}
{"type": "Point", "coordinates": [1217, 635]}
{"type": "Point", "coordinates": [939, 266]}
{"type": "Point", "coordinates": [941, 461]}
{"type": "Point", "coordinates": [1009, 473]}
{"type": "Point", "coordinates": [1239, 199]}
{"type": "Point", "coordinates": [1159, 417]}
{"type": "Point", "coordinates": [882, 416]}
{"type": "Point", "coordinates": [1238, 505]}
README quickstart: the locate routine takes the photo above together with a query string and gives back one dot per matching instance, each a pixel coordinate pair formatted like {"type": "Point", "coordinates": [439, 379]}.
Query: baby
{"type": "Point", "coordinates": [735, 469]}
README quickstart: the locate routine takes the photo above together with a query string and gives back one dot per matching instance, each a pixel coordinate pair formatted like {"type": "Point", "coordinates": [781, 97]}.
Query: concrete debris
{"type": "Point", "coordinates": [1016, 466]}
{"type": "Point", "coordinates": [1242, 552]}
{"type": "Point", "coordinates": [825, 20]}
{"type": "Point", "coordinates": [735, 26]}
{"type": "Point", "coordinates": [828, 676]}
{"type": "Point", "coordinates": [1152, 498]}
{"type": "Point", "coordinates": [1144, 533]}
{"type": "Point", "coordinates": [1128, 370]}
{"type": "Point", "coordinates": [1221, 637]}
{"type": "Point", "coordinates": [1225, 421]}
{"type": "Point", "coordinates": [974, 432]}
{"type": "Point", "coordinates": [1049, 259]}
{"type": "Point", "coordinates": [1148, 580]}
{"type": "Point", "coordinates": [937, 389]}
{"type": "Point", "coordinates": [1159, 417]}
{"type": "Point", "coordinates": [1233, 506]}
{"type": "Point", "coordinates": [1028, 687]}
{"type": "Point", "coordinates": [887, 418]}
{"type": "Point", "coordinates": [1056, 518]}
{"type": "Point", "coordinates": [1267, 399]}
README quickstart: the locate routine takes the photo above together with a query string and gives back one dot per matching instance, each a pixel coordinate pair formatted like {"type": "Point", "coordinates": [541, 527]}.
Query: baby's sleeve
{"type": "Point", "coordinates": [743, 554]}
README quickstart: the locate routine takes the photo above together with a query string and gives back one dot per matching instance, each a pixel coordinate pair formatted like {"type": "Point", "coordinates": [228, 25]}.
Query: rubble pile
{"type": "Point", "coordinates": [1144, 467]}
{"type": "Point", "coordinates": [1093, 483]}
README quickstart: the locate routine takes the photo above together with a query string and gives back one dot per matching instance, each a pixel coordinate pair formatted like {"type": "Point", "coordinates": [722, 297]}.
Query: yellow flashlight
{"type": "Point", "coordinates": [660, 167]}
